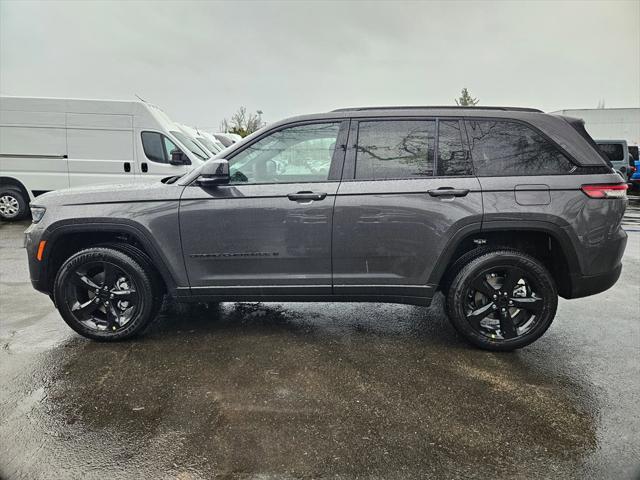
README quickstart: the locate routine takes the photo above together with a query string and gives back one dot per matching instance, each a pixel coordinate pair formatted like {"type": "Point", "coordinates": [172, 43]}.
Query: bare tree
{"type": "Point", "coordinates": [242, 122]}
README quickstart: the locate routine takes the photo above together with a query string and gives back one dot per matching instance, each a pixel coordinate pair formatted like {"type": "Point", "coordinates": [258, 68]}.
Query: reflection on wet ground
{"type": "Point", "coordinates": [309, 390]}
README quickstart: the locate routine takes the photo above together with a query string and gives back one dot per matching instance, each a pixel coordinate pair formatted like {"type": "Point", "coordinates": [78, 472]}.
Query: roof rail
{"type": "Point", "coordinates": [438, 107]}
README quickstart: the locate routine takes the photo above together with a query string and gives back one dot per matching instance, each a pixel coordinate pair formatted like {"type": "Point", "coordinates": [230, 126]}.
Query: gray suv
{"type": "Point", "coordinates": [501, 209]}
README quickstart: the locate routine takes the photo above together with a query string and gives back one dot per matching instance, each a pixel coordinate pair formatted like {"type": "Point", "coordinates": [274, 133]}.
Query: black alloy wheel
{"type": "Point", "coordinates": [502, 300]}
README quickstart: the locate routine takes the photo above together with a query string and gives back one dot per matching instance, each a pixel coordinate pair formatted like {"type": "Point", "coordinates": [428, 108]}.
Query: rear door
{"type": "Point", "coordinates": [407, 189]}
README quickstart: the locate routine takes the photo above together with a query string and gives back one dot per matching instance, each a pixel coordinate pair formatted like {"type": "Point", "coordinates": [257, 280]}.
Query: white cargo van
{"type": "Point", "coordinates": [51, 143]}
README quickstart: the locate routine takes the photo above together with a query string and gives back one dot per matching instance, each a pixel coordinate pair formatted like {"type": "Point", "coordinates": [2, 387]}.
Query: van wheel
{"type": "Point", "coordinates": [104, 294]}
{"type": "Point", "coordinates": [13, 204]}
{"type": "Point", "coordinates": [502, 300]}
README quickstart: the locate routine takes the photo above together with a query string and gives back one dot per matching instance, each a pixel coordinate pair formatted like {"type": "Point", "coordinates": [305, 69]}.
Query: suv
{"type": "Point", "coordinates": [502, 209]}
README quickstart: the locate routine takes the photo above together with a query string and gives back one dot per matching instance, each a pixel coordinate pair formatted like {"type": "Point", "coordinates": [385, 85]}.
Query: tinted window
{"type": "Point", "coordinates": [500, 148]}
{"type": "Point", "coordinates": [395, 149]}
{"type": "Point", "coordinates": [153, 147]}
{"type": "Point", "coordinates": [613, 151]}
{"type": "Point", "coordinates": [452, 155]}
{"type": "Point", "coordinates": [295, 154]}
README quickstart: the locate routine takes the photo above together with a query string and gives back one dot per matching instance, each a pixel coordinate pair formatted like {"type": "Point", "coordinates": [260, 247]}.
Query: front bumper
{"type": "Point", "coordinates": [32, 237]}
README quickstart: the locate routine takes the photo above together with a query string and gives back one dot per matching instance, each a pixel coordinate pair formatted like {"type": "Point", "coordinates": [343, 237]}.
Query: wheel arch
{"type": "Point", "coordinates": [64, 239]}
{"type": "Point", "coordinates": [546, 241]}
{"type": "Point", "coordinates": [14, 182]}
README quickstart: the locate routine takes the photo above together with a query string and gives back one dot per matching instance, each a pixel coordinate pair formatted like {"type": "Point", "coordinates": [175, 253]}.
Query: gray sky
{"type": "Point", "coordinates": [201, 60]}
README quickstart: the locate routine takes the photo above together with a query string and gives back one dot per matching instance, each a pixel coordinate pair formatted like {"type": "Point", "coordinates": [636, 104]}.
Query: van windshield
{"type": "Point", "coordinates": [212, 147]}
{"type": "Point", "coordinates": [191, 145]}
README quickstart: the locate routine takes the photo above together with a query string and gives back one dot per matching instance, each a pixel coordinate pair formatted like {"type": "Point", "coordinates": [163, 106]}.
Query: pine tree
{"type": "Point", "coordinates": [466, 100]}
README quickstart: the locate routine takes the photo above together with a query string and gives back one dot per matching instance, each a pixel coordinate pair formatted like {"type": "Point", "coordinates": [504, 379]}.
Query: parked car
{"type": "Point", "coordinates": [501, 209]}
{"type": "Point", "coordinates": [49, 144]}
{"type": "Point", "coordinates": [617, 152]}
{"type": "Point", "coordinates": [227, 139]}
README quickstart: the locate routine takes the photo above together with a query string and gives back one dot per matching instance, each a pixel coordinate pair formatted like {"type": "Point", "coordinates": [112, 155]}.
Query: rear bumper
{"type": "Point", "coordinates": [585, 285]}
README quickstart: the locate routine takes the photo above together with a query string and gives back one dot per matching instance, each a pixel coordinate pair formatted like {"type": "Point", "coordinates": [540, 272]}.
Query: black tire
{"type": "Point", "coordinates": [495, 316]}
{"type": "Point", "coordinates": [75, 295]}
{"type": "Point", "coordinates": [459, 264]}
{"type": "Point", "coordinates": [13, 203]}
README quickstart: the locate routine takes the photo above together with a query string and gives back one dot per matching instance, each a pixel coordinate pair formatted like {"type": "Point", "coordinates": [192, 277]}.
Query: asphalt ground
{"type": "Point", "coordinates": [297, 390]}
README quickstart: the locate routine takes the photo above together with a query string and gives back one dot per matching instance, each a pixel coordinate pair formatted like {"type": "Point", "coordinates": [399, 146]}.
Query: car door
{"type": "Point", "coordinates": [268, 232]}
{"type": "Point", "coordinates": [154, 155]}
{"type": "Point", "coordinates": [407, 189]}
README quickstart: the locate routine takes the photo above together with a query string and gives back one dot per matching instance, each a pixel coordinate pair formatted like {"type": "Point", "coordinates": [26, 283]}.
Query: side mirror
{"type": "Point", "coordinates": [214, 172]}
{"type": "Point", "coordinates": [179, 158]}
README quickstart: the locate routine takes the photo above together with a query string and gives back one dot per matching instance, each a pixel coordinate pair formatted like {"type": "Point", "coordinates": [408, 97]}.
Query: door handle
{"type": "Point", "coordinates": [448, 192]}
{"type": "Point", "coordinates": [307, 196]}
{"type": "Point", "coordinates": [144, 167]}
{"type": "Point", "coordinates": [127, 167]}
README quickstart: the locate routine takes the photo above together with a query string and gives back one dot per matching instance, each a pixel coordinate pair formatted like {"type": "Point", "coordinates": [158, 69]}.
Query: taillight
{"type": "Point", "coordinates": [616, 190]}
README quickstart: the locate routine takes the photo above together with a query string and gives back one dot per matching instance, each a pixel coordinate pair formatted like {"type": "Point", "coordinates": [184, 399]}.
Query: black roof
{"type": "Point", "coordinates": [438, 107]}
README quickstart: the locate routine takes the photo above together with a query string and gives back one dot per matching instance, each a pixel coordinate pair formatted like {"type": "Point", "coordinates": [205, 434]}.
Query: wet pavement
{"type": "Point", "coordinates": [318, 390]}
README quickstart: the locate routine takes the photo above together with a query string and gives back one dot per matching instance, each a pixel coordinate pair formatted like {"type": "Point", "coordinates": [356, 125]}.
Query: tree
{"type": "Point", "coordinates": [465, 99]}
{"type": "Point", "coordinates": [243, 123]}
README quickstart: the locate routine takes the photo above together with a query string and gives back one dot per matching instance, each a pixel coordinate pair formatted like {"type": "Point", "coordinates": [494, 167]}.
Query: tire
{"type": "Point", "coordinates": [459, 264]}
{"type": "Point", "coordinates": [13, 204]}
{"type": "Point", "coordinates": [499, 317]}
{"type": "Point", "coordinates": [105, 294]}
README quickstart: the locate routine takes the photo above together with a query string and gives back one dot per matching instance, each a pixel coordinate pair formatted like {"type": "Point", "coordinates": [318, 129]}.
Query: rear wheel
{"type": "Point", "coordinates": [13, 204]}
{"type": "Point", "coordinates": [502, 300]}
{"type": "Point", "coordinates": [105, 294]}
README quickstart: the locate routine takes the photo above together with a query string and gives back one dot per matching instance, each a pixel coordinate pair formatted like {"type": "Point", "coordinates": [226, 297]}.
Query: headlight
{"type": "Point", "coordinates": [37, 213]}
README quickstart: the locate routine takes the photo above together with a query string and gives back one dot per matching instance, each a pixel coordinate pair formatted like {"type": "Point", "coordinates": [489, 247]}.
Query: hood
{"type": "Point", "coordinates": [114, 193]}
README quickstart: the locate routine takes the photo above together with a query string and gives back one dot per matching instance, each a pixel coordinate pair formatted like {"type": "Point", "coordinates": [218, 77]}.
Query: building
{"type": "Point", "coordinates": [609, 123]}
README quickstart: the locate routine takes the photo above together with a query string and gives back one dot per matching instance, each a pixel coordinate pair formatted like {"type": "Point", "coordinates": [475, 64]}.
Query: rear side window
{"type": "Point", "coordinates": [502, 148]}
{"type": "Point", "coordinates": [613, 151]}
{"type": "Point", "coordinates": [452, 154]}
{"type": "Point", "coordinates": [390, 149]}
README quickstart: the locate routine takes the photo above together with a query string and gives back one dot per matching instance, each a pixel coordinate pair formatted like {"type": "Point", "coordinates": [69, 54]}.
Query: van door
{"type": "Point", "coordinates": [33, 149]}
{"type": "Point", "coordinates": [100, 148]}
{"type": "Point", "coordinates": [154, 156]}
{"type": "Point", "coordinates": [405, 192]}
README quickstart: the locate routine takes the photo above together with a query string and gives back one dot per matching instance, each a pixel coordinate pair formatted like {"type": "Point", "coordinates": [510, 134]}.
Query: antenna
{"type": "Point", "coordinates": [140, 98]}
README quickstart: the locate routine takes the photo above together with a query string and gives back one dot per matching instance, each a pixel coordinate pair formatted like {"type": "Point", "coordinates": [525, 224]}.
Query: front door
{"type": "Point", "coordinates": [269, 231]}
{"type": "Point", "coordinates": [406, 190]}
{"type": "Point", "coordinates": [154, 157]}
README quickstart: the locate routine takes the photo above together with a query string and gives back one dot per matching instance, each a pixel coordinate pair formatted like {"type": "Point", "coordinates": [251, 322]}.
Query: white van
{"type": "Point", "coordinates": [51, 143]}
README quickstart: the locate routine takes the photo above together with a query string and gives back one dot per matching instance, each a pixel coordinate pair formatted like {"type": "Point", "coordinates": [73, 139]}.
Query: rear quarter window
{"type": "Point", "coordinates": [505, 148]}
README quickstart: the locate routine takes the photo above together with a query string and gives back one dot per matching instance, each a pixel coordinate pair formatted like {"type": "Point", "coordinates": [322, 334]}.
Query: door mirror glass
{"type": "Point", "coordinates": [214, 172]}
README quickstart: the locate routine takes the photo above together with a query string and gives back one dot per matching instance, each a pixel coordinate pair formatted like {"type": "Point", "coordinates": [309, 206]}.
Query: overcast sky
{"type": "Point", "coordinates": [201, 60]}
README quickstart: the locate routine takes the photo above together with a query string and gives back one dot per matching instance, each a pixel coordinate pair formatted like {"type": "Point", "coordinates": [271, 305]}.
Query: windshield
{"type": "Point", "coordinates": [191, 145]}
{"type": "Point", "coordinates": [212, 147]}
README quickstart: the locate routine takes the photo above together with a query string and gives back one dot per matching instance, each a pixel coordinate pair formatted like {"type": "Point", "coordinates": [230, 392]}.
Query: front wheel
{"type": "Point", "coordinates": [502, 300]}
{"type": "Point", "coordinates": [104, 294]}
{"type": "Point", "coordinates": [13, 204]}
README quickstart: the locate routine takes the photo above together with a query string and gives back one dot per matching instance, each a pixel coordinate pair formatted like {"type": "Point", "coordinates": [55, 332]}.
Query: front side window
{"type": "Point", "coordinates": [395, 149]}
{"type": "Point", "coordinates": [157, 147]}
{"type": "Point", "coordinates": [502, 148]}
{"type": "Point", "coordinates": [292, 155]}
{"type": "Point", "coordinates": [452, 155]}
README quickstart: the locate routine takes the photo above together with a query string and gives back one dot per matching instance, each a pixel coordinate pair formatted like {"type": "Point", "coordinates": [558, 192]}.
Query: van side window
{"type": "Point", "coordinates": [157, 147]}
{"type": "Point", "coordinates": [452, 154]}
{"type": "Point", "coordinates": [501, 148]}
{"type": "Point", "coordinates": [399, 149]}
